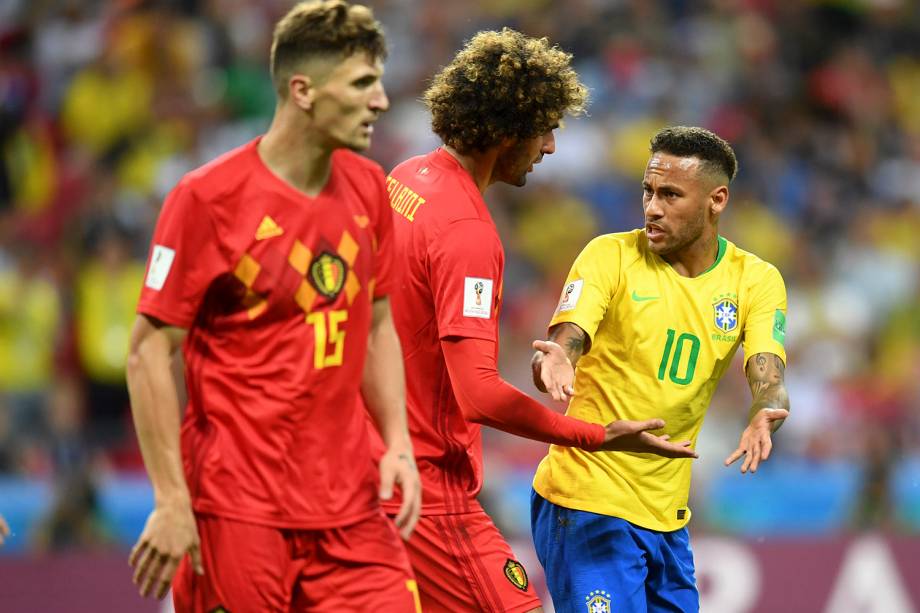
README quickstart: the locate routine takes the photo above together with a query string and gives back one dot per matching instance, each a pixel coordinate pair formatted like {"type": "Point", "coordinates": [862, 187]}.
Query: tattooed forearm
{"type": "Point", "coordinates": [574, 347]}
{"type": "Point", "coordinates": [766, 376]}
{"type": "Point", "coordinates": [572, 340]}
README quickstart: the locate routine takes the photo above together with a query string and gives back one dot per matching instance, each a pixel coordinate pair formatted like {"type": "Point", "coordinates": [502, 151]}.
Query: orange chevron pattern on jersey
{"type": "Point", "coordinates": [325, 274]}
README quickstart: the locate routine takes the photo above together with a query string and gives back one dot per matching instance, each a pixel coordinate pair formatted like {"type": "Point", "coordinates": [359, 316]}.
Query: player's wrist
{"type": "Point", "coordinates": [597, 437]}
{"type": "Point", "coordinates": [399, 445]}
{"type": "Point", "coordinates": [173, 503]}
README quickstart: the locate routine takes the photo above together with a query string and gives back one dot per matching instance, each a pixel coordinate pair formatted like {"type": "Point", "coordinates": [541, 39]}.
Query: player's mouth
{"type": "Point", "coordinates": [368, 126]}
{"type": "Point", "coordinates": [534, 163]}
{"type": "Point", "coordinates": [654, 232]}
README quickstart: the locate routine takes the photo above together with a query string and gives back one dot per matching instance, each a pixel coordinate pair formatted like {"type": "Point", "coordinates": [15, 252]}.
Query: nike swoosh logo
{"type": "Point", "coordinates": [639, 298]}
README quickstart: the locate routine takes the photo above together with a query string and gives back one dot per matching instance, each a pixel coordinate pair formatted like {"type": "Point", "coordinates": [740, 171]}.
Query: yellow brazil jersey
{"type": "Point", "coordinates": [660, 342]}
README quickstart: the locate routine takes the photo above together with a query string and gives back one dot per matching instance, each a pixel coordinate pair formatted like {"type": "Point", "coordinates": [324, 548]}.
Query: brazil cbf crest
{"type": "Point", "coordinates": [598, 601]}
{"type": "Point", "coordinates": [725, 314]}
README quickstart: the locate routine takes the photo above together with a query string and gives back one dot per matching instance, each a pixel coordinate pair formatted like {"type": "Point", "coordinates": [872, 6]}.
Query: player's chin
{"type": "Point", "coordinates": [359, 144]}
{"type": "Point", "coordinates": [659, 246]}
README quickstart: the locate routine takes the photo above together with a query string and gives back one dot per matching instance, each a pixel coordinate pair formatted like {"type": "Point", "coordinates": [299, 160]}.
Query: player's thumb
{"type": "Point", "coordinates": [774, 414]}
{"type": "Point", "coordinates": [195, 552]}
{"type": "Point", "coordinates": [649, 424]}
{"type": "Point", "coordinates": [386, 483]}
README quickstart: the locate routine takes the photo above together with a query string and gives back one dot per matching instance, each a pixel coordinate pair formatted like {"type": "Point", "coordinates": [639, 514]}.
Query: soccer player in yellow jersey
{"type": "Point", "coordinates": [648, 323]}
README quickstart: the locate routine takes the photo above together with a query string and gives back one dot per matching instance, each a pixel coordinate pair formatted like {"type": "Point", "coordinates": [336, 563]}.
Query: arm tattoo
{"type": "Point", "coordinates": [766, 376]}
{"type": "Point", "coordinates": [572, 340]}
{"type": "Point", "coordinates": [574, 346]}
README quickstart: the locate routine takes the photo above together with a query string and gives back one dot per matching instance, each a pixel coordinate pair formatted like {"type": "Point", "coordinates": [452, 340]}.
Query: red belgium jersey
{"type": "Point", "coordinates": [275, 289]}
{"type": "Point", "coordinates": [451, 263]}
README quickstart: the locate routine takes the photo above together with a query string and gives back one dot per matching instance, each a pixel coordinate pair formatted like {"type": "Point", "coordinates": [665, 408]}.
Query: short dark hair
{"type": "Point", "coordinates": [503, 85]}
{"type": "Point", "coordinates": [322, 28]}
{"type": "Point", "coordinates": [687, 141]}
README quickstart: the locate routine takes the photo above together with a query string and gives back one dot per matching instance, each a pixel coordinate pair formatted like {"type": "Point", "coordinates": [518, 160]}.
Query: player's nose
{"type": "Point", "coordinates": [549, 144]}
{"type": "Point", "coordinates": [379, 101]}
{"type": "Point", "coordinates": [652, 208]}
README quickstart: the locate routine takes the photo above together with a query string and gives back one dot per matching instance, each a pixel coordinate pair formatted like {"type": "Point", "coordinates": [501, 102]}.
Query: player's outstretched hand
{"type": "Point", "coordinates": [398, 467]}
{"type": "Point", "coordinates": [169, 534]}
{"type": "Point", "coordinates": [756, 443]}
{"type": "Point", "coordinates": [625, 435]}
{"type": "Point", "coordinates": [4, 530]}
{"type": "Point", "coordinates": [552, 371]}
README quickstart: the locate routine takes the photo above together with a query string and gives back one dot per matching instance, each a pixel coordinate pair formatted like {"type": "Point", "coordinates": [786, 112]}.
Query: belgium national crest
{"type": "Point", "coordinates": [327, 272]}
{"type": "Point", "coordinates": [726, 314]}
{"type": "Point", "coordinates": [516, 575]}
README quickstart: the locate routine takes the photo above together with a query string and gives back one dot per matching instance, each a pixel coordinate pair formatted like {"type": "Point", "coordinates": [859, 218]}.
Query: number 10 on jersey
{"type": "Point", "coordinates": [327, 336]}
{"type": "Point", "coordinates": [685, 341]}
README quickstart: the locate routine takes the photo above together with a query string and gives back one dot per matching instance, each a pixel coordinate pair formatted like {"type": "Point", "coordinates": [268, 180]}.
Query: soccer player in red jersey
{"type": "Point", "coordinates": [495, 107]}
{"type": "Point", "coordinates": [271, 268]}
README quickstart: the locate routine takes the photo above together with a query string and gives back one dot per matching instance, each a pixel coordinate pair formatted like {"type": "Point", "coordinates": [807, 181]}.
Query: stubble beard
{"type": "Point", "coordinates": [515, 176]}
{"type": "Point", "coordinates": [686, 236]}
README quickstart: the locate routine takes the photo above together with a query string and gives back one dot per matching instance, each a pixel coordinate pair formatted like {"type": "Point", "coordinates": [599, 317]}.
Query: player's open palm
{"type": "Point", "coordinates": [756, 444]}
{"type": "Point", "coordinates": [626, 435]}
{"type": "Point", "coordinates": [553, 371]}
{"type": "Point", "coordinates": [170, 533]}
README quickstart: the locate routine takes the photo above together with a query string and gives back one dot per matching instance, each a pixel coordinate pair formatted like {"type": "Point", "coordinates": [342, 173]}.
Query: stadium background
{"type": "Point", "coordinates": [104, 105]}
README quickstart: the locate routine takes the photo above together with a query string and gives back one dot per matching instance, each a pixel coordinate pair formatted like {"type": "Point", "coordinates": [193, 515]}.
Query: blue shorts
{"type": "Point", "coordinates": [601, 564]}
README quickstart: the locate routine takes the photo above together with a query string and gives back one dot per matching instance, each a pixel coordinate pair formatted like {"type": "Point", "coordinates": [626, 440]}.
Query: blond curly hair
{"type": "Point", "coordinates": [503, 85]}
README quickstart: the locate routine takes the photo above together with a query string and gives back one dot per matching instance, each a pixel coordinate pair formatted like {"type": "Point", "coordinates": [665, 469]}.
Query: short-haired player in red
{"type": "Point", "coordinates": [495, 107]}
{"type": "Point", "coordinates": [271, 267]}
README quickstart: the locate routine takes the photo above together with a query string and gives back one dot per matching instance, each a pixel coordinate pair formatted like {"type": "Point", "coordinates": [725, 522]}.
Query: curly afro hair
{"type": "Point", "coordinates": [503, 85]}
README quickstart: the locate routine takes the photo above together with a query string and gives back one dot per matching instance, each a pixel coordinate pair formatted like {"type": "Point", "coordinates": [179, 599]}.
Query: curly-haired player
{"type": "Point", "coordinates": [495, 107]}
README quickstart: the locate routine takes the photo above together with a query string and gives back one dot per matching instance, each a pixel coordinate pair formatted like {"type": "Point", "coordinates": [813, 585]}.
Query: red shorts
{"type": "Point", "coordinates": [248, 567]}
{"type": "Point", "coordinates": [463, 563]}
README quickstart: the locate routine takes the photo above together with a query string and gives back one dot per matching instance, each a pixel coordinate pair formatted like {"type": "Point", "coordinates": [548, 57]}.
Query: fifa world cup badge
{"type": "Point", "coordinates": [568, 291]}
{"type": "Point", "coordinates": [477, 297]}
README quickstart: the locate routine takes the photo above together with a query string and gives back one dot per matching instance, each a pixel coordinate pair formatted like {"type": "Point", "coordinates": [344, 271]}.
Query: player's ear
{"type": "Point", "coordinates": [718, 199]}
{"type": "Point", "coordinates": [301, 91]}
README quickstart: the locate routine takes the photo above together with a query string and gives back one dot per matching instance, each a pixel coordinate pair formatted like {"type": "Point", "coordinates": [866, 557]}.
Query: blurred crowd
{"type": "Point", "coordinates": [104, 105]}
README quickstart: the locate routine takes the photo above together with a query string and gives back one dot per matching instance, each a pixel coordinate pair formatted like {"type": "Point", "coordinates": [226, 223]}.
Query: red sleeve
{"type": "Point", "coordinates": [465, 272]}
{"type": "Point", "coordinates": [383, 234]}
{"type": "Point", "coordinates": [184, 258]}
{"type": "Point", "coordinates": [486, 399]}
